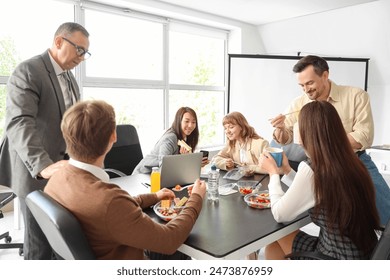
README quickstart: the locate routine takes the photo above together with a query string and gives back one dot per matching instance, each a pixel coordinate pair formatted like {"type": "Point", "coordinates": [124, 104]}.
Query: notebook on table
{"type": "Point", "coordinates": [181, 169]}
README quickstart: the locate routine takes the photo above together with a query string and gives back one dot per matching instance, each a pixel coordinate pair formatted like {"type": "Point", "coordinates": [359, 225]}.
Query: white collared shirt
{"type": "Point", "coordinates": [96, 171]}
{"type": "Point", "coordinates": [299, 197]}
{"type": "Point", "coordinates": [57, 68]}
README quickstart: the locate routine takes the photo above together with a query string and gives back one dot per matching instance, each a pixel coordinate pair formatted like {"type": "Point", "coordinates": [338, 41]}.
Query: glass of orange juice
{"type": "Point", "coordinates": [155, 180]}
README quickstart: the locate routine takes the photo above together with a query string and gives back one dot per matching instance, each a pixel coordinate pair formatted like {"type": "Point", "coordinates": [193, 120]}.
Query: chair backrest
{"type": "Point", "coordinates": [60, 226]}
{"type": "Point", "coordinates": [382, 249]}
{"type": "Point", "coordinates": [126, 153]}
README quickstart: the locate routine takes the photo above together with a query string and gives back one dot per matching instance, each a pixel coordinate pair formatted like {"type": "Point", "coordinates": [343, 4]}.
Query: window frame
{"type": "Point", "coordinates": [101, 82]}
{"type": "Point", "coordinates": [163, 84]}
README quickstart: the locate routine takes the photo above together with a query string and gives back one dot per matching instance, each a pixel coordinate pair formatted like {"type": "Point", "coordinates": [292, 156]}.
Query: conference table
{"type": "Point", "coordinates": [229, 229]}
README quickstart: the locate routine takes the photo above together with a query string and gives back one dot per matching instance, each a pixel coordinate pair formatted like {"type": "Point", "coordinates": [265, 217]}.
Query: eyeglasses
{"type": "Point", "coordinates": [79, 50]}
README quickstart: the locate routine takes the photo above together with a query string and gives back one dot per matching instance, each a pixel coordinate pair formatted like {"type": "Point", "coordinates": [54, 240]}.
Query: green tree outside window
{"type": "Point", "coordinates": [8, 61]}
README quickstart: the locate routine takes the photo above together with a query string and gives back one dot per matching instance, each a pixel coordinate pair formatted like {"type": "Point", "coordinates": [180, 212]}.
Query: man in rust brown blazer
{"type": "Point", "coordinates": [113, 221]}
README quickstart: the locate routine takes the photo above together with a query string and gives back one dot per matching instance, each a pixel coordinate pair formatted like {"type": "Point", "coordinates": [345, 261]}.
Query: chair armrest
{"type": "Point", "coordinates": [117, 172]}
{"type": "Point", "coordinates": [6, 197]}
{"type": "Point", "coordinates": [314, 255]}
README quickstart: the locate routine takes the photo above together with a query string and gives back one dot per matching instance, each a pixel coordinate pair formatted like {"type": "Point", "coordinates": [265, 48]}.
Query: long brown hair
{"type": "Point", "coordinates": [344, 191]}
{"type": "Point", "coordinates": [247, 131]}
{"type": "Point", "coordinates": [193, 138]}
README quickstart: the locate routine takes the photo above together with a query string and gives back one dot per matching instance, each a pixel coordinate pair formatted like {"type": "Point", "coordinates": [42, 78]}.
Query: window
{"type": "Point", "coordinates": [146, 66]}
{"type": "Point", "coordinates": [32, 32]}
{"type": "Point", "coordinates": [196, 78]}
{"type": "Point", "coordinates": [2, 108]}
{"type": "Point", "coordinates": [31, 35]}
{"type": "Point", "coordinates": [140, 107]}
{"type": "Point", "coordinates": [124, 47]}
{"type": "Point", "coordinates": [196, 59]}
{"type": "Point", "coordinates": [209, 107]}
{"type": "Point", "coordinates": [149, 67]}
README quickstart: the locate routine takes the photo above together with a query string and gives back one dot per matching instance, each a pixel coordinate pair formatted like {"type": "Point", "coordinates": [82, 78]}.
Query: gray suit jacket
{"type": "Point", "coordinates": [167, 145]}
{"type": "Point", "coordinates": [33, 138]}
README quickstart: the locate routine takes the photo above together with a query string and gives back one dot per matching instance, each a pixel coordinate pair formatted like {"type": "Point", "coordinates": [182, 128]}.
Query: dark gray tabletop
{"type": "Point", "coordinates": [226, 227]}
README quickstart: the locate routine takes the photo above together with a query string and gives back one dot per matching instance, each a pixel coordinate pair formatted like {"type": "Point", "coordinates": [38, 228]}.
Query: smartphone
{"type": "Point", "coordinates": [205, 153]}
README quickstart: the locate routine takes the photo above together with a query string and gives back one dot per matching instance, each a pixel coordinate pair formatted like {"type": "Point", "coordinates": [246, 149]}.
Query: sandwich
{"type": "Point", "coordinates": [183, 144]}
{"type": "Point", "coordinates": [165, 203]}
{"type": "Point", "coordinates": [182, 201]}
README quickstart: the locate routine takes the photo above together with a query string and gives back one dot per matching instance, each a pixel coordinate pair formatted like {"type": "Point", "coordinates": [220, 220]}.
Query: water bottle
{"type": "Point", "coordinates": [155, 180]}
{"type": "Point", "coordinates": [212, 185]}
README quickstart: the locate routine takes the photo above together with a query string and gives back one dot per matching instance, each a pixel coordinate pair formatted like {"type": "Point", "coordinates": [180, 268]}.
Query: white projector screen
{"type": "Point", "coordinates": [262, 86]}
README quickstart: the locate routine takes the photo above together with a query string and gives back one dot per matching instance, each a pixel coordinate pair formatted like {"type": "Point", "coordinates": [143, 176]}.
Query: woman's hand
{"type": "Point", "coordinates": [247, 170]}
{"type": "Point", "coordinates": [165, 194]}
{"type": "Point", "coordinates": [184, 151]}
{"type": "Point", "coordinates": [268, 164]}
{"type": "Point", "coordinates": [250, 171]}
{"type": "Point", "coordinates": [229, 163]}
{"type": "Point", "coordinates": [205, 161]}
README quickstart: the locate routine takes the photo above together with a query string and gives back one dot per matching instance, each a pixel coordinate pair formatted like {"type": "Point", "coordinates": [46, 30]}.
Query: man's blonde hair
{"type": "Point", "coordinates": [87, 127]}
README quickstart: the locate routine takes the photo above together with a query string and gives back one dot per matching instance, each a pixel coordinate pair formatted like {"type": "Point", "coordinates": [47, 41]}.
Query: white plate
{"type": "Point", "coordinates": [159, 211]}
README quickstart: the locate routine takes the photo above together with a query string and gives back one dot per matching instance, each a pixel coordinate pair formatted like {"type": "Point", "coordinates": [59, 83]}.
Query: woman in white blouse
{"type": "Point", "coordinates": [333, 185]}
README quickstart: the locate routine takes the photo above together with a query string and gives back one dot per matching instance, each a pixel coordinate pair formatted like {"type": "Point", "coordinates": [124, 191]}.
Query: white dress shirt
{"type": "Point", "coordinates": [299, 197]}
{"type": "Point", "coordinates": [96, 171]}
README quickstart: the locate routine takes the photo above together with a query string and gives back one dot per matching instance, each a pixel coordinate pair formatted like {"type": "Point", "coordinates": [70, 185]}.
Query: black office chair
{"type": "Point", "coordinates": [60, 226]}
{"type": "Point", "coordinates": [5, 198]}
{"type": "Point", "coordinates": [125, 154]}
{"type": "Point", "coordinates": [380, 252]}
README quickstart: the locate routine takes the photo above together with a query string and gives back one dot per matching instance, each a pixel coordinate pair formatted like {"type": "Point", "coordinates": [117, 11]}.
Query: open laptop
{"type": "Point", "coordinates": [181, 169]}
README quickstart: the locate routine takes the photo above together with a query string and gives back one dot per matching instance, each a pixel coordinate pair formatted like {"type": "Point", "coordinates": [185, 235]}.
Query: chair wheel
{"type": "Point", "coordinates": [20, 251]}
{"type": "Point", "coordinates": [8, 239]}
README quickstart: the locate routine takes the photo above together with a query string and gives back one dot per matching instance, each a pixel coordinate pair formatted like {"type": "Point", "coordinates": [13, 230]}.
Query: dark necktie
{"type": "Point", "coordinates": [68, 93]}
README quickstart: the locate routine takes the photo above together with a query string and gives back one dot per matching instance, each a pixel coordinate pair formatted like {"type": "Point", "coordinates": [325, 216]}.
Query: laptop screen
{"type": "Point", "coordinates": [181, 169]}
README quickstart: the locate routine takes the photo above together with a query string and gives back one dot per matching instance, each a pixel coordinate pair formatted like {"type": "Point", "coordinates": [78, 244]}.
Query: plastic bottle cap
{"type": "Point", "coordinates": [213, 167]}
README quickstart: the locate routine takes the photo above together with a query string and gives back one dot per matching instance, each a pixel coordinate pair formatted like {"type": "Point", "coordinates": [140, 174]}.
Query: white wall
{"type": "Point", "coordinates": [357, 31]}
{"type": "Point", "coordinates": [244, 38]}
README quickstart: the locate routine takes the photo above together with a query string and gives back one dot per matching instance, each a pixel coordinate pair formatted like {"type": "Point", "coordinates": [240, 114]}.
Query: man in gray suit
{"type": "Point", "coordinates": [32, 149]}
